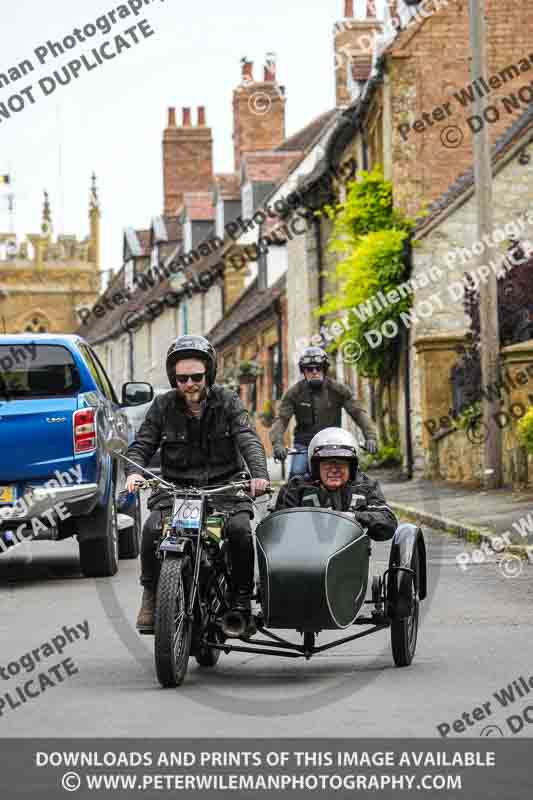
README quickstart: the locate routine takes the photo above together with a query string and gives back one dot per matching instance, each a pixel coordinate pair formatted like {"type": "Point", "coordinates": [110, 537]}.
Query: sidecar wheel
{"type": "Point", "coordinates": [404, 631]}
{"type": "Point", "coordinates": [173, 631]}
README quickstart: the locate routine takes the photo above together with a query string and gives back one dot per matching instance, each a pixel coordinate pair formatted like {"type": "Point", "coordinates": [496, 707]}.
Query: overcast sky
{"type": "Point", "coordinates": [111, 119]}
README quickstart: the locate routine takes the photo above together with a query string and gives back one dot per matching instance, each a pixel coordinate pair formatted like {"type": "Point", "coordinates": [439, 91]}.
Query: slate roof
{"type": "Point", "coordinates": [305, 138]}
{"type": "Point", "coordinates": [248, 308]}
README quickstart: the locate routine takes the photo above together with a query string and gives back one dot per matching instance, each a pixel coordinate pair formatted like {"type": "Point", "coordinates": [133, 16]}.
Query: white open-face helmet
{"type": "Point", "coordinates": [332, 443]}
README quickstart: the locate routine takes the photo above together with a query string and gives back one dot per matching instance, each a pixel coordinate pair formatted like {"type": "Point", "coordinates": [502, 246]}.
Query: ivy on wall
{"type": "Point", "coordinates": [372, 236]}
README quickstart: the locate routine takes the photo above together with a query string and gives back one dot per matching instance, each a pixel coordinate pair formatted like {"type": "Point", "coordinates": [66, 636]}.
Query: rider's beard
{"type": "Point", "coordinates": [315, 383]}
{"type": "Point", "coordinates": [194, 395]}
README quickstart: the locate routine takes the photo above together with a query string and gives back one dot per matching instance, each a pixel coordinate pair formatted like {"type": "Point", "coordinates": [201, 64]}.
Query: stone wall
{"type": "Point", "coordinates": [439, 322]}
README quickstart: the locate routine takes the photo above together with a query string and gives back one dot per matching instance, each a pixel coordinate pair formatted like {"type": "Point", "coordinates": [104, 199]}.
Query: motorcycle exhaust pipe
{"type": "Point", "coordinates": [234, 624]}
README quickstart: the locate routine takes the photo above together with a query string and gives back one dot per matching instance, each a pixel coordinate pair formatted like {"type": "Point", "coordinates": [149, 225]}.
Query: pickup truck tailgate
{"type": "Point", "coordinates": [36, 437]}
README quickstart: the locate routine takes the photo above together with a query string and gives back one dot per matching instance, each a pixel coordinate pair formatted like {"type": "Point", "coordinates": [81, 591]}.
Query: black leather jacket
{"type": "Point", "coordinates": [204, 452]}
{"type": "Point", "coordinates": [363, 497]}
{"type": "Point", "coordinates": [315, 410]}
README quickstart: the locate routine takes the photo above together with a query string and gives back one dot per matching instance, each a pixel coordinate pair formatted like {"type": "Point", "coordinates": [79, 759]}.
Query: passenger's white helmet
{"type": "Point", "coordinates": [332, 443]}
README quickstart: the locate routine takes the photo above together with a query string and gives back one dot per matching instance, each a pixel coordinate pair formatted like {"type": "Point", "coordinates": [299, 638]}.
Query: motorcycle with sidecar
{"type": "Point", "coordinates": [313, 577]}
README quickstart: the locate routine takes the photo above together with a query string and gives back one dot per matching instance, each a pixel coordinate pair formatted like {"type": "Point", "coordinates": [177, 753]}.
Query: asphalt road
{"type": "Point", "coordinates": [475, 638]}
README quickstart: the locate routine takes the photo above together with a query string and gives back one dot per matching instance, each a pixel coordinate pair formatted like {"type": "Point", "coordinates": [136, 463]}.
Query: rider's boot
{"type": "Point", "coordinates": [146, 618]}
{"type": "Point", "coordinates": [242, 604]}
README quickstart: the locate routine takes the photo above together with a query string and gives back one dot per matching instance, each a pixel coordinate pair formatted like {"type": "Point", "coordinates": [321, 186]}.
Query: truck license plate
{"type": "Point", "coordinates": [7, 494]}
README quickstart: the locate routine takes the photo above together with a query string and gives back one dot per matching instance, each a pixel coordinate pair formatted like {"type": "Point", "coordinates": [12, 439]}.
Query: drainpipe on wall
{"type": "Point", "coordinates": [365, 153]}
{"type": "Point", "coordinates": [279, 377]}
{"type": "Point", "coordinates": [130, 355]}
{"type": "Point", "coordinates": [318, 242]}
{"type": "Point", "coordinates": [407, 376]}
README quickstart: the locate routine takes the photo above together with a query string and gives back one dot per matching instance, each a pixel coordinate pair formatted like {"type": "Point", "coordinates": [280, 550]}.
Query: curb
{"type": "Point", "coordinates": [470, 533]}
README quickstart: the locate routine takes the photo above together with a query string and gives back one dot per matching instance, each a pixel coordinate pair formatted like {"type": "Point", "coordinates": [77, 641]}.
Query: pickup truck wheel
{"type": "Point", "coordinates": [99, 557]}
{"type": "Point", "coordinates": [129, 545]}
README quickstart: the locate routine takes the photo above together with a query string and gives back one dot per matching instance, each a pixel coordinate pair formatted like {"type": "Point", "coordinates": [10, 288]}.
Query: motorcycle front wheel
{"type": "Point", "coordinates": [173, 631]}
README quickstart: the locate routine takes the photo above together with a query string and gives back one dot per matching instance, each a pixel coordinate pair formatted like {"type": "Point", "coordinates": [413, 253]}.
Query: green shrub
{"type": "Point", "coordinates": [525, 430]}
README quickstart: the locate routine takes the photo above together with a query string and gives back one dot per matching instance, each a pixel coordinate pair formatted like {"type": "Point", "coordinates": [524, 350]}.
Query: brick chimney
{"type": "Point", "coordinates": [354, 42]}
{"type": "Point", "coordinates": [187, 158]}
{"type": "Point", "coordinates": [258, 111]}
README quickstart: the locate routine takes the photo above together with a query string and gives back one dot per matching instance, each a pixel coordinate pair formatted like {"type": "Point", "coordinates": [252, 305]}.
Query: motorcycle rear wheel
{"type": "Point", "coordinates": [173, 631]}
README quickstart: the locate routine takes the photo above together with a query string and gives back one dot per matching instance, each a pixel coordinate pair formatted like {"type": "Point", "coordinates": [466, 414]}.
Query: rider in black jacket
{"type": "Point", "coordinates": [204, 433]}
{"type": "Point", "coordinates": [336, 482]}
{"type": "Point", "coordinates": [316, 402]}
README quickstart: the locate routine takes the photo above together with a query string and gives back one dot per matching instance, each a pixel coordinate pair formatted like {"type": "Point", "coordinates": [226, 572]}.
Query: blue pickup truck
{"type": "Point", "coordinates": [57, 406]}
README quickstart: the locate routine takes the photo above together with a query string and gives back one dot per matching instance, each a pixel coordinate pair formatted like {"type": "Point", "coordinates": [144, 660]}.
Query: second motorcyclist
{"type": "Point", "coordinates": [316, 402]}
{"type": "Point", "coordinates": [204, 433]}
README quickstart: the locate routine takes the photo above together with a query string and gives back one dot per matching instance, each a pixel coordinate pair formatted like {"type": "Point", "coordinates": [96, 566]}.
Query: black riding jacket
{"type": "Point", "coordinates": [199, 452]}
{"type": "Point", "coordinates": [316, 409]}
{"type": "Point", "coordinates": [363, 497]}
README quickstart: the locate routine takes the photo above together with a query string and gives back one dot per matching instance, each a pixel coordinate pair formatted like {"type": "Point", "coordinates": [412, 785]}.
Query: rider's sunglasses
{"type": "Point", "coordinates": [312, 368]}
{"type": "Point", "coordinates": [196, 377]}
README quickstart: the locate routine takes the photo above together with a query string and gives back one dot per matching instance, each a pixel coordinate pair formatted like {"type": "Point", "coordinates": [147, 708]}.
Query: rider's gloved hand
{"type": "Point", "coordinates": [371, 446]}
{"type": "Point", "coordinates": [280, 452]}
{"type": "Point", "coordinates": [258, 486]}
{"type": "Point", "coordinates": [133, 480]}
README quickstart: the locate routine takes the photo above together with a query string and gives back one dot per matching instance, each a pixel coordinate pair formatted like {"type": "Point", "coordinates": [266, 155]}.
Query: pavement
{"type": "Point", "coordinates": [476, 515]}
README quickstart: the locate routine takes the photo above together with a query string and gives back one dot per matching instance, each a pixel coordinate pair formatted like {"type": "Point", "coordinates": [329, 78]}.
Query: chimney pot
{"type": "Point", "coordinates": [270, 71]}
{"type": "Point", "coordinates": [248, 70]}
{"type": "Point", "coordinates": [370, 9]}
{"type": "Point", "coordinates": [186, 117]}
{"type": "Point", "coordinates": [201, 115]}
{"type": "Point", "coordinates": [171, 117]}
{"type": "Point", "coordinates": [349, 9]}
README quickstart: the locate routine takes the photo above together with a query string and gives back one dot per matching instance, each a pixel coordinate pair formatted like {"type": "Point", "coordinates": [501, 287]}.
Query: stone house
{"type": "Point", "coordinates": [447, 238]}
{"type": "Point", "coordinates": [387, 91]}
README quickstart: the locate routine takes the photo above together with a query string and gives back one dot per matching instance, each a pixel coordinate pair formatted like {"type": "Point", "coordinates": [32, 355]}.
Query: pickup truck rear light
{"type": "Point", "coordinates": [84, 430]}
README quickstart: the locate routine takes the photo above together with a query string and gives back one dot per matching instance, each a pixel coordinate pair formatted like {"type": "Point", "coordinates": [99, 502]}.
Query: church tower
{"type": "Point", "coordinates": [44, 282]}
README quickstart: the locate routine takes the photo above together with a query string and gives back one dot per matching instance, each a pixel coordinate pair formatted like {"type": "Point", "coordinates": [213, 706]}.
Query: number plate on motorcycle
{"type": "Point", "coordinates": [187, 514]}
{"type": "Point", "coordinates": [7, 494]}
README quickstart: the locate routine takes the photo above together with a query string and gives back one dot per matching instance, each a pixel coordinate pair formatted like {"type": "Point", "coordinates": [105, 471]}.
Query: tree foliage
{"type": "Point", "coordinates": [372, 235]}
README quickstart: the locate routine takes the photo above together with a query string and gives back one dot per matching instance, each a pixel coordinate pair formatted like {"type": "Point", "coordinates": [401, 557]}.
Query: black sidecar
{"type": "Point", "coordinates": [313, 567]}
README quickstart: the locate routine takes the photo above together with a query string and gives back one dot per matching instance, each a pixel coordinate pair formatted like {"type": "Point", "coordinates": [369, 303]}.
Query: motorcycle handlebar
{"type": "Point", "coordinates": [154, 483]}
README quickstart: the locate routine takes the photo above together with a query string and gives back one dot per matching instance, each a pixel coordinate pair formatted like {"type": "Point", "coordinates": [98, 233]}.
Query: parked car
{"type": "Point", "coordinates": [135, 416]}
{"type": "Point", "coordinates": [57, 406]}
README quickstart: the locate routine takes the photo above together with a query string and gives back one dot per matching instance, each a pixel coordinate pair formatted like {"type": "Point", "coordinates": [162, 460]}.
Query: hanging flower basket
{"type": "Point", "coordinates": [249, 371]}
